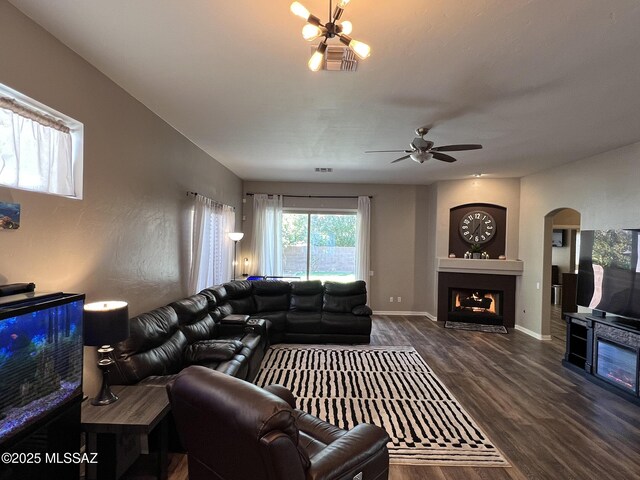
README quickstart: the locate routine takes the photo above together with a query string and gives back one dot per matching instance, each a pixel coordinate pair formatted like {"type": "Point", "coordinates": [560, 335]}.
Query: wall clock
{"type": "Point", "coordinates": [477, 226]}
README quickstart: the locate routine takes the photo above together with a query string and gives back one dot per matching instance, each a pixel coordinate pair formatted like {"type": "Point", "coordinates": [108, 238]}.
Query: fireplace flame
{"type": "Point", "coordinates": [476, 296]}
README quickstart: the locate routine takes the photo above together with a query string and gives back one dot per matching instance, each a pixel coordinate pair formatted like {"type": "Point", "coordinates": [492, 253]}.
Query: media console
{"type": "Point", "coordinates": [606, 350]}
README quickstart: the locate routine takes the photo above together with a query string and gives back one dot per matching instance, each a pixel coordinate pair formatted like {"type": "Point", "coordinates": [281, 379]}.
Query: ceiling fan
{"type": "Point", "coordinates": [423, 150]}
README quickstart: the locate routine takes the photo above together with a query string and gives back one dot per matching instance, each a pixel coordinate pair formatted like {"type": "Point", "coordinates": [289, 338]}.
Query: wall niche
{"type": "Point", "coordinates": [494, 247]}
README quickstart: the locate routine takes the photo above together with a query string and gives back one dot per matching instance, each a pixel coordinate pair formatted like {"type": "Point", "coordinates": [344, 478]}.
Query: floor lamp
{"type": "Point", "coordinates": [236, 237]}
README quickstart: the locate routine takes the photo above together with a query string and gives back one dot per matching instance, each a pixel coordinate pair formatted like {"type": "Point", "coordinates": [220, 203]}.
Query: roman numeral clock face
{"type": "Point", "coordinates": [477, 227]}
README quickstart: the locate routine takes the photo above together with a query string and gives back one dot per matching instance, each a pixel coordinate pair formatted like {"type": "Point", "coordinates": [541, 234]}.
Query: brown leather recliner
{"type": "Point", "coordinates": [234, 430]}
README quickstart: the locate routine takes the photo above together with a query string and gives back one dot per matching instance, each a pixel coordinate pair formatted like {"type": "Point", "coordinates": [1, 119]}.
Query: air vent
{"type": "Point", "coordinates": [339, 58]}
{"type": "Point", "coordinates": [324, 170]}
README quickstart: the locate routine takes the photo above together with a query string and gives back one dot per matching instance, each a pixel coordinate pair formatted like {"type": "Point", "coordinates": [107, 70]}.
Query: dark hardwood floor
{"type": "Point", "coordinates": [548, 421]}
{"type": "Point", "coordinates": [558, 326]}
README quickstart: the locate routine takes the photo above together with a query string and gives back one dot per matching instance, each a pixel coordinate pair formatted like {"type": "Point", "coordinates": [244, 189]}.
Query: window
{"type": "Point", "coordinates": [319, 246]}
{"type": "Point", "coordinates": [40, 148]}
{"type": "Point", "coordinates": [211, 257]}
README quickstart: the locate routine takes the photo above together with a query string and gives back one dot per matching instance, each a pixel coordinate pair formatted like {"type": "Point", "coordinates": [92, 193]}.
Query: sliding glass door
{"type": "Point", "coordinates": [319, 246]}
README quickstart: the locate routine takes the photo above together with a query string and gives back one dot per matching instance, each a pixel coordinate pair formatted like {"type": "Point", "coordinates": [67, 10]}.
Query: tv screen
{"type": "Point", "coordinates": [557, 239]}
{"type": "Point", "coordinates": [608, 274]}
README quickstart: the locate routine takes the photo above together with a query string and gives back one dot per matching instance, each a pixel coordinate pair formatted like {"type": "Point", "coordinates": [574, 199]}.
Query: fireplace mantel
{"type": "Point", "coordinates": [488, 266]}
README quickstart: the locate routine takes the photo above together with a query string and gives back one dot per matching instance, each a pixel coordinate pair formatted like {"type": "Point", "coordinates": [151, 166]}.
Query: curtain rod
{"type": "Point", "coordinates": [195, 194]}
{"type": "Point", "coordinates": [31, 114]}
{"type": "Point", "coordinates": [312, 196]}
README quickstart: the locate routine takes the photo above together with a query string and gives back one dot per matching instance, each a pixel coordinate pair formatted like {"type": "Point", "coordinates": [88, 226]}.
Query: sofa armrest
{"type": "Point", "coordinates": [361, 310]}
{"type": "Point", "coordinates": [350, 452]}
{"type": "Point", "coordinates": [234, 319]}
{"type": "Point", "coordinates": [282, 392]}
{"type": "Point", "coordinates": [206, 351]}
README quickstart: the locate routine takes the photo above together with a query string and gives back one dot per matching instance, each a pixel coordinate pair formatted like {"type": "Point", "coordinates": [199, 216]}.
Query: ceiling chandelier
{"type": "Point", "coordinates": [334, 28]}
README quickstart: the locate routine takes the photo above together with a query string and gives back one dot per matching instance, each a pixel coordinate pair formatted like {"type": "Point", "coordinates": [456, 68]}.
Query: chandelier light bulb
{"type": "Point", "coordinates": [347, 27]}
{"type": "Point", "coordinates": [298, 9]}
{"type": "Point", "coordinates": [315, 62]}
{"type": "Point", "coordinates": [361, 49]}
{"type": "Point", "coordinates": [343, 3]}
{"type": "Point", "coordinates": [311, 32]}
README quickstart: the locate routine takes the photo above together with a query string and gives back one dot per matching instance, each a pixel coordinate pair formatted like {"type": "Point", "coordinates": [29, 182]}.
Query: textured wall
{"type": "Point", "coordinates": [603, 189]}
{"type": "Point", "coordinates": [125, 239]}
{"type": "Point", "coordinates": [400, 236]}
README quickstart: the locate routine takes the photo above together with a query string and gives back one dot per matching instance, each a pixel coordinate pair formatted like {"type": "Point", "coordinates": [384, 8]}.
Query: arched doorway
{"type": "Point", "coordinates": [562, 240]}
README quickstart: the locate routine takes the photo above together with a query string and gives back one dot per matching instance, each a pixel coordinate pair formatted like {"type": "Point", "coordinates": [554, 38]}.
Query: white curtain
{"type": "Point", "coordinates": [211, 247]}
{"type": "Point", "coordinates": [266, 244]}
{"type": "Point", "coordinates": [34, 156]}
{"type": "Point", "coordinates": [363, 230]}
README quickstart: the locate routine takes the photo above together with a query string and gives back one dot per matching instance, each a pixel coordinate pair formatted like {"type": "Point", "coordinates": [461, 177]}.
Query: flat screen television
{"type": "Point", "coordinates": [40, 359]}
{"type": "Point", "coordinates": [557, 238]}
{"type": "Point", "coordinates": [609, 272]}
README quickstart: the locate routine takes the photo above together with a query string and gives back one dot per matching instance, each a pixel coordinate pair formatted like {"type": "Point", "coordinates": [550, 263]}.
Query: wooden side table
{"type": "Point", "coordinates": [140, 410]}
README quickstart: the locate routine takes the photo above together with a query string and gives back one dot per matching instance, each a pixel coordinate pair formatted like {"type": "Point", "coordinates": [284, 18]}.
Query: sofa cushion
{"type": "Point", "coordinates": [343, 297]}
{"type": "Point", "coordinates": [220, 293]}
{"type": "Point", "coordinates": [149, 330]}
{"type": "Point", "coordinates": [271, 296]}
{"type": "Point", "coordinates": [306, 296]}
{"type": "Point", "coordinates": [271, 287]}
{"type": "Point", "coordinates": [271, 303]}
{"type": "Point", "coordinates": [155, 347]}
{"type": "Point", "coordinates": [240, 297]}
{"type": "Point", "coordinates": [306, 287]}
{"type": "Point", "coordinates": [306, 303]}
{"type": "Point", "coordinates": [304, 322]}
{"type": "Point", "coordinates": [210, 295]}
{"type": "Point", "coordinates": [194, 319]}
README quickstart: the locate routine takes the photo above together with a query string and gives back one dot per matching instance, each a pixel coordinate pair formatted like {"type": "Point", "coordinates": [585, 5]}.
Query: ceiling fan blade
{"type": "Point", "coordinates": [456, 148]}
{"type": "Point", "coordinates": [401, 158]}
{"type": "Point", "coordinates": [443, 157]}
{"type": "Point", "coordinates": [387, 151]}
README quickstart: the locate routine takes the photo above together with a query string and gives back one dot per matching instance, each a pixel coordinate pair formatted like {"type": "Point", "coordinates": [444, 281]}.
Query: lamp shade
{"type": "Point", "coordinates": [105, 323]}
{"type": "Point", "coordinates": [236, 236]}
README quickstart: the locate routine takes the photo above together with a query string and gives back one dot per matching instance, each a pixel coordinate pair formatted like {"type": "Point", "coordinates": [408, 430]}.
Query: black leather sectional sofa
{"type": "Point", "coordinates": [198, 330]}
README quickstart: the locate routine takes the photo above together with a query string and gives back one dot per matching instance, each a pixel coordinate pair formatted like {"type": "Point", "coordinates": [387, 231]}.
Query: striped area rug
{"type": "Point", "coordinates": [391, 387]}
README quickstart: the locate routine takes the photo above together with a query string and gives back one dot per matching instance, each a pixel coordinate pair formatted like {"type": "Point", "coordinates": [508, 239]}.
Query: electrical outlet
{"type": "Point", "coordinates": [391, 299]}
{"type": "Point", "coordinates": [371, 273]}
{"type": "Point", "coordinates": [399, 299]}
{"type": "Point", "coordinates": [537, 285]}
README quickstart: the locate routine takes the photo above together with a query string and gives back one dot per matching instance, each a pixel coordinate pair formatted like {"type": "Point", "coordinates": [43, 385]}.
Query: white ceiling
{"type": "Point", "coordinates": [537, 82]}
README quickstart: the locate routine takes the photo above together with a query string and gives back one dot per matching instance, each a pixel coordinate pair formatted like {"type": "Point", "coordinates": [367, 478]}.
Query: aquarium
{"type": "Point", "coordinates": [40, 357]}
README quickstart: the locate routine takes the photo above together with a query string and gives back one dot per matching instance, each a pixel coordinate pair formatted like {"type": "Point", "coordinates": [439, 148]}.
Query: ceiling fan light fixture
{"type": "Point", "coordinates": [315, 62]}
{"type": "Point", "coordinates": [421, 157]}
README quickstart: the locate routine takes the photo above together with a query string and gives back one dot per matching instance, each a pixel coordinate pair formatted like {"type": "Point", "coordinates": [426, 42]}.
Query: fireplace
{"type": "Point", "coordinates": [475, 306]}
{"type": "Point", "coordinates": [617, 364]}
{"type": "Point", "coordinates": [488, 299]}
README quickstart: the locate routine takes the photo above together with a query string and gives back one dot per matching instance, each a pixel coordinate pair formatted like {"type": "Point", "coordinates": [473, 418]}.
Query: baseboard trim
{"type": "Point", "coordinates": [533, 334]}
{"type": "Point", "coordinates": [420, 314]}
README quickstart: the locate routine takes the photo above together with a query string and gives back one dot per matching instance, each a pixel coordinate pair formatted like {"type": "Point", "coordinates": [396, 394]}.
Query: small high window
{"type": "Point", "coordinates": [40, 148]}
